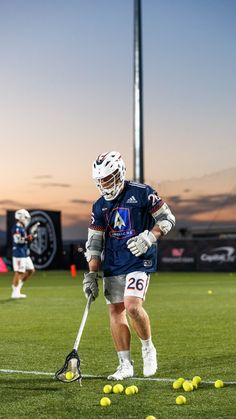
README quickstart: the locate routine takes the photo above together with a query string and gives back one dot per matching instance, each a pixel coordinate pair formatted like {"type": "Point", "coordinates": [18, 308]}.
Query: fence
{"type": "Point", "coordinates": [209, 255]}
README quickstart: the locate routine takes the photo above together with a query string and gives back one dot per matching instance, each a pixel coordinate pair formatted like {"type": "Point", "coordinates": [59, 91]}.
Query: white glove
{"type": "Point", "coordinates": [140, 244]}
{"type": "Point", "coordinates": [90, 284]}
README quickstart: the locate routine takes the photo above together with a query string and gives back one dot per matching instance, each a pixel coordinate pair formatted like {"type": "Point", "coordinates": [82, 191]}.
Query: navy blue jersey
{"type": "Point", "coordinates": [122, 218]}
{"type": "Point", "coordinates": [19, 247]}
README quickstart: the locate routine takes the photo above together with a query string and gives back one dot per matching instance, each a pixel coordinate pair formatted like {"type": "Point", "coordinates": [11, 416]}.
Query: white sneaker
{"type": "Point", "coordinates": [149, 361]}
{"type": "Point", "coordinates": [16, 294]}
{"type": "Point", "coordinates": [125, 370]}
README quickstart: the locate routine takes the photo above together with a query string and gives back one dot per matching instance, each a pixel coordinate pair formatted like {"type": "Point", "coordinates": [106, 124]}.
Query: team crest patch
{"type": "Point", "coordinates": [44, 247]}
{"type": "Point", "coordinates": [147, 263]}
{"type": "Point", "coordinates": [120, 224]}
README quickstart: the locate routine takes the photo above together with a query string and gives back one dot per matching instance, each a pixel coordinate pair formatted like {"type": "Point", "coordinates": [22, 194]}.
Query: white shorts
{"type": "Point", "coordinates": [22, 264]}
{"type": "Point", "coordinates": [134, 284]}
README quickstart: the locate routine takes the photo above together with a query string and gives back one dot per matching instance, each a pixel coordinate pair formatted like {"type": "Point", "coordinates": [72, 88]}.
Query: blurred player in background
{"type": "Point", "coordinates": [126, 223]}
{"type": "Point", "coordinates": [22, 264]}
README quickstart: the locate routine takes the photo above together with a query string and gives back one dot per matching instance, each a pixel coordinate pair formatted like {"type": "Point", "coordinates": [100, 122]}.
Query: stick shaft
{"type": "Point", "coordinates": [83, 321]}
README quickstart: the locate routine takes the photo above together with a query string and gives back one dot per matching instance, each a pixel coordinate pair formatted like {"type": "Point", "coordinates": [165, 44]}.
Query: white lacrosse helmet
{"type": "Point", "coordinates": [109, 174]}
{"type": "Point", "coordinates": [23, 216]}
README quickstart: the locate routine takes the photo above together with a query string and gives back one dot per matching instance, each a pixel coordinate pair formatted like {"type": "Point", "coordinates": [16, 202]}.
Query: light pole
{"type": "Point", "coordinates": [138, 96]}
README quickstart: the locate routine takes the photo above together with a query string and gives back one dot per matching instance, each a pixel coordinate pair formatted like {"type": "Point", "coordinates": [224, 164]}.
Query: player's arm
{"type": "Point", "coordinates": [94, 265]}
{"type": "Point", "coordinates": [164, 221]}
{"type": "Point", "coordinates": [18, 237]}
{"type": "Point", "coordinates": [94, 248]}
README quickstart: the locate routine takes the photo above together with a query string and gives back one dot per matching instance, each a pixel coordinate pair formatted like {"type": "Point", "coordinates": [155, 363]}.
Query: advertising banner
{"type": "Point", "coordinates": [46, 248]}
{"type": "Point", "coordinates": [209, 255]}
{"type": "Point", "coordinates": [216, 255]}
{"type": "Point", "coordinates": [177, 255]}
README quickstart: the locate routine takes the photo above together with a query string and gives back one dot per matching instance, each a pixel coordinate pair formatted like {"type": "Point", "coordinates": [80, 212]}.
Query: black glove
{"type": "Point", "coordinates": [90, 284]}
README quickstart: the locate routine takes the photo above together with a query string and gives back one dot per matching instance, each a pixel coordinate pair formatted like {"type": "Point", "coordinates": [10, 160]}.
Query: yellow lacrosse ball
{"type": "Point", "coordinates": [105, 401]}
{"type": "Point", "coordinates": [180, 400]}
{"type": "Point", "coordinates": [196, 380]}
{"type": "Point", "coordinates": [129, 391]}
{"type": "Point", "coordinates": [69, 375]}
{"type": "Point", "coordinates": [219, 384]}
{"type": "Point", "coordinates": [177, 384]}
{"type": "Point", "coordinates": [118, 388]}
{"type": "Point", "coordinates": [187, 386]}
{"type": "Point", "coordinates": [107, 389]}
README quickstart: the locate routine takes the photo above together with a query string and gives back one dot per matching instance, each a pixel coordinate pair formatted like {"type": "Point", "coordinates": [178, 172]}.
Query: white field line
{"type": "Point", "coordinates": [168, 380]}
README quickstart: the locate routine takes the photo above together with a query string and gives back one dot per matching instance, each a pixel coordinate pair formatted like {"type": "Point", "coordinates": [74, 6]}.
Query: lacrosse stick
{"type": "Point", "coordinates": [34, 230]}
{"type": "Point", "coordinates": [71, 369]}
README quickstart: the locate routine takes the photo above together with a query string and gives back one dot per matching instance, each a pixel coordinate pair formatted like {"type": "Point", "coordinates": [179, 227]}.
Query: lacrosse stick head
{"type": "Point", "coordinates": [72, 364]}
{"type": "Point", "coordinates": [34, 228]}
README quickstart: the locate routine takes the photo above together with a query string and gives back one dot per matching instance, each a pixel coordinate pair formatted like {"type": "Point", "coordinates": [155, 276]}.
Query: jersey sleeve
{"type": "Point", "coordinates": [97, 219]}
{"type": "Point", "coordinates": [154, 201]}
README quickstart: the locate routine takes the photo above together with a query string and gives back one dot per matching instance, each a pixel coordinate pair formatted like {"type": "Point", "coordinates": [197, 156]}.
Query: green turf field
{"type": "Point", "coordinates": [194, 332]}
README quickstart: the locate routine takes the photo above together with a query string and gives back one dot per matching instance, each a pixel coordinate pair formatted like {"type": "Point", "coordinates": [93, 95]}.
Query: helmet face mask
{"type": "Point", "coordinates": [109, 174]}
{"type": "Point", "coordinates": [23, 216]}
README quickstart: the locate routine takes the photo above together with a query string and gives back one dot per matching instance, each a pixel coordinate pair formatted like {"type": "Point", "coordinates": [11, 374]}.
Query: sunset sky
{"type": "Point", "coordinates": [66, 95]}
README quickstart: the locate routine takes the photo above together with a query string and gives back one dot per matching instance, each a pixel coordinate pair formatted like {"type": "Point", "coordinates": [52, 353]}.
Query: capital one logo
{"type": "Point", "coordinates": [44, 246]}
{"type": "Point", "coordinates": [223, 254]}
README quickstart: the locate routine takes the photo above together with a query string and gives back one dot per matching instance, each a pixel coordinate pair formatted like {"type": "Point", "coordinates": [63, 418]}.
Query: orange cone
{"type": "Point", "coordinates": [73, 270]}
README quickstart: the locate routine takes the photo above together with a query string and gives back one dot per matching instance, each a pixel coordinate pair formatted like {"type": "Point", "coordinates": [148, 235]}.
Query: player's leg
{"type": "Point", "coordinates": [139, 317]}
{"type": "Point", "coordinates": [135, 290]}
{"type": "Point", "coordinates": [119, 327]}
{"type": "Point", "coordinates": [141, 324]}
{"type": "Point", "coordinates": [28, 273]}
{"type": "Point", "coordinates": [17, 277]}
{"type": "Point", "coordinates": [19, 272]}
{"type": "Point", "coordinates": [114, 294]}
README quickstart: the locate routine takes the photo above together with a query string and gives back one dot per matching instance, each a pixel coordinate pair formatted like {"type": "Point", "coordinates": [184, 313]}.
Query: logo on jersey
{"type": "Point", "coordinates": [132, 200]}
{"type": "Point", "coordinates": [120, 224]}
{"type": "Point", "coordinates": [147, 263]}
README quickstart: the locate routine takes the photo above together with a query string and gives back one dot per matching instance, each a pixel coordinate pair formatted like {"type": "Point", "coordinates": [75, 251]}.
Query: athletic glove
{"type": "Point", "coordinates": [140, 244]}
{"type": "Point", "coordinates": [90, 284]}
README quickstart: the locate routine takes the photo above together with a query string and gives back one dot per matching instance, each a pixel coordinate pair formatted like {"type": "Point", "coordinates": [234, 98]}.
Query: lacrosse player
{"type": "Point", "coordinates": [22, 264]}
{"type": "Point", "coordinates": [126, 223]}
